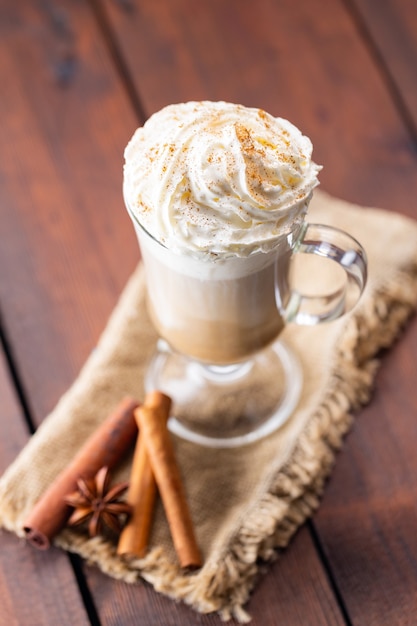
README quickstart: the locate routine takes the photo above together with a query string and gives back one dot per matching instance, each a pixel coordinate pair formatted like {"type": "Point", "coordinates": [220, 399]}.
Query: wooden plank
{"type": "Point", "coordinates": [54, 311]}
{"type": "Point", "coordinates": [368, 518]}
{"type": "Point", "coordinates": [294, 590]}
{"type": "Point", "coordinates": [392, 25]}
{"type": "Point", "coordinates": [35, 587]}
{"type": "Point", "coordinates": [302, 60]}
{"type": "Point", "coordinates": [309, 62]}
{"type": "Point", "coordinates": [204, 52]}
{"type": "Point", "coordinates": [67, 242]}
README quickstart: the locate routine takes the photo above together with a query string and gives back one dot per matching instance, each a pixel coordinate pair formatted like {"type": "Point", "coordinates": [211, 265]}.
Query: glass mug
{"type": "Point", "coordinates": [231, 379]}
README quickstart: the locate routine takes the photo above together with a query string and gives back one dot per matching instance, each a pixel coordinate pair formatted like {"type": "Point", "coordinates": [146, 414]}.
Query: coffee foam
{"type": "Point", "coordinates": [214, 179]}
{"type": "Point", "coordinates": [209, 268]}
{"type": "Point", "coordinates": [220, 316]}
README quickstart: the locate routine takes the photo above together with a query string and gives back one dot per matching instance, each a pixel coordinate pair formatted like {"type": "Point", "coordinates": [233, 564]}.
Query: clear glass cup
{"type": "Point", "coordinates": [231, 379]}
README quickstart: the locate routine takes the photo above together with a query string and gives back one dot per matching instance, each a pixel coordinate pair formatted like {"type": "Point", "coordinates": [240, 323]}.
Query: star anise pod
{"type": "Point", "coordinates": [94, 503]}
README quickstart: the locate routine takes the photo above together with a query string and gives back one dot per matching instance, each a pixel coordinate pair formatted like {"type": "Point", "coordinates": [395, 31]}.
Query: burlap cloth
{"type": "Point", "coordinates": [245, 502]}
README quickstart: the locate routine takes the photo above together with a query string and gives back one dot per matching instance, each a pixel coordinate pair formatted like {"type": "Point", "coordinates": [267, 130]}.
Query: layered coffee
{"type": "Point", "coordinates": [217, 193]}
{"type": "Point", "coordinates": [217, 316]}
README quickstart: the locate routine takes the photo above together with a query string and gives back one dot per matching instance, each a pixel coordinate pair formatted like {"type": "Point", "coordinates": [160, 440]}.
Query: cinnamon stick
{"type": "Point", "coordinates": [154, 431]}
{"type": "Point", "coordinates": [141, 494]}
{"type": "Point", "coordinates": [105, 447]}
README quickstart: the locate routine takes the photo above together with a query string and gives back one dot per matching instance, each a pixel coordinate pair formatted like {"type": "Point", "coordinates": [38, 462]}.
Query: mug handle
{"type": "Point", "coordinates": [336, 245]}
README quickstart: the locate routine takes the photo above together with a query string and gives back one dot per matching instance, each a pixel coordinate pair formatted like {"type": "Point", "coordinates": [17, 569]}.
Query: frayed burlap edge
{"type": "Point", "coordinates": [294, 492]}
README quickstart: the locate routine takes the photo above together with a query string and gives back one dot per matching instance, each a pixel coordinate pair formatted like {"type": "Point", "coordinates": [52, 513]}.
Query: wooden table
{"type": "Point", "coordinates": [77, 77]}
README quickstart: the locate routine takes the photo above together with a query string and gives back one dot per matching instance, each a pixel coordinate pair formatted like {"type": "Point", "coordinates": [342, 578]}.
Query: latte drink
{"type": "Point", "coordinates": [218, 193]}
{"type": "Point", "coordinates": [217, 316]}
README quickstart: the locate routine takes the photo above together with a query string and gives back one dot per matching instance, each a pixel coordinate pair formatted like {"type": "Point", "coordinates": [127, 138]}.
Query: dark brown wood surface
{"type": "Point", "coordinates": [77, 78]}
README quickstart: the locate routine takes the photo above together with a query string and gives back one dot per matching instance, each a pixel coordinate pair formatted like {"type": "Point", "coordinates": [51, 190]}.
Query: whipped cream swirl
{"type": "Point", "coordinates": [218, 179]}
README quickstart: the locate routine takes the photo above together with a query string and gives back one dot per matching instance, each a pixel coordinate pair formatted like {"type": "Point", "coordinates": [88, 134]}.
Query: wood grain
{"type": "Point", "coordinates": [77, 76]}
{"type": "Point", "coordinates": [67, 251]}
{"type": "Point", "coordinates": [310, 62]}
{"type": "Point", "coordinates": [368, 517]}
{"type": "Point", "coordinates": [295, 586]}
{"type": "Point", "coordinates": [391, 28]}
{"type": "Point", "coordinates": [30, 581]}
{"type": "Point", "coordinates": [67, 244]}
{"type": "Point", "coordinates": [302, 60]}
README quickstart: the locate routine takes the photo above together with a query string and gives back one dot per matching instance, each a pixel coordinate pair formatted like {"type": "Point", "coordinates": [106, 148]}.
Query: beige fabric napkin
{"type": "Point", "coordinates": [245, 502]}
